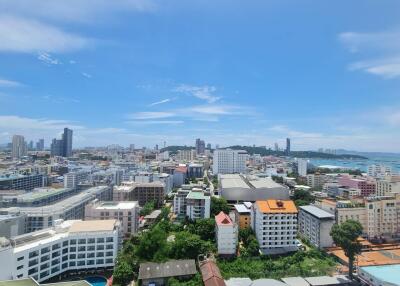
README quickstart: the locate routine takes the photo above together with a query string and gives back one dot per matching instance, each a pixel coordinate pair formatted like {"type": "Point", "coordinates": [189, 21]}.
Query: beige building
{"type": "Point", "coordinates": [141, 192]}
{"type": "Point", "coordinates": [316, 180]}
{"type": "Point", "coordinates": [126, 212]}
{"type": "Point", "coordinates": [388, 185]}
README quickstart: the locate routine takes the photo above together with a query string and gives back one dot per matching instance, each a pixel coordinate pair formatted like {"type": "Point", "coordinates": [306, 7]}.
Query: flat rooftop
{"type": "Point", "coordinates": [387, 273]}
{"type": "Point", "coordinates": [93, 226]}
{"type": "Point", "coordinates": [317, 212]}
{"type": "Point", "coordinates": [117, 205]}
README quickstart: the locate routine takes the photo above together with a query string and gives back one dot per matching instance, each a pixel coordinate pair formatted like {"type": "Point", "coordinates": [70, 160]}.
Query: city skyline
{"type": "Point", "coordinates": [145, 72]}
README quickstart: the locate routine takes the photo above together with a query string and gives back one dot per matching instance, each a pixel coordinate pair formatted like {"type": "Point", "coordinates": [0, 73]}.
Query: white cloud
{"type": "Point", "coordinates": [151, 115]}
{"type": "Point", "coordinates": [74, 10]}
{"type": "Point", "coordinates": [160, 102]}
{"type": "Point", "coordinates": [156, 122]}
{"type": "Point", "coordinates": [48, 59]}
{"type": "Point", "coordinates": [383, 50]}
{"type": "Point", "coordinates": [25, 36]}
{"type": "Point", "coordinates": [87, 75]}
{"type": "Point", "coordinates": [202, 92]}
{"type": "Point", "coordinates": [15, 123]}
{"type": "Point", "coordinates": [9, 83]}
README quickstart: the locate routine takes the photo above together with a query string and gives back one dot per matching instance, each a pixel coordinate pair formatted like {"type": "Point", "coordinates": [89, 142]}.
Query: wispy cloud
{"type": "Point", "coordinates": [383, 50]}
{"type": "Point", "coordinates": [47, 59]}
{"type": "Point", "coordinates": [151, 115]}
{"type": "Point", "coordinates": [150, 122]}
{"type": "Point", "coordinates": [161, 102]}
{"type": "Point", "coordinates": [57, 99]}
{"type": "Point", "coordinates": [9, 83]}
{"type": "Point", "coordinates": [25, 36]}
{"type": "Point", "coordinates": [16, 123]}
{"type": "Point", "coordinates": [202, 92]}
{"type": "Point", "coordinates": [87, 75]}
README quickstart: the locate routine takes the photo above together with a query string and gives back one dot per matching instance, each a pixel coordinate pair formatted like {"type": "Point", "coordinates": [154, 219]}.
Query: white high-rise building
{"type": "Point", "coordinates": [227, 161]}
{"type": "Point", "coordinates": [68, 246]}
{"type": "Point", "coordinates": [18, 146]}
{"type": "Point", "coordinates": [226, 232]}
{"type": "Point", "coordinates": [379, 171]}
{"type": "Point", "coordinates": [302, 167]}
{"type": "Point", "coordinates": [275, 225]}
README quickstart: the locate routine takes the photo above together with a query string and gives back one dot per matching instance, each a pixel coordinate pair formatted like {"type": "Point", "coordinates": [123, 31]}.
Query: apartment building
{"type": "Point", "coordinates": [379, 171]}
{"type": "Point", "coordinates": [126, 212]}
{"type": "Point", "coordinates": [316, 180]}
{"type": "Point", "coordinates": [141, 192]}
{"type": "Point", "coordinates": [67, 246]}
{"type": "Point", "coordinates": [243, 214]}
{"type": "Point", "coordinates": [226, 233]}
{"type": "Point", "coordinates": [302, 165]}
{"type": "Point", "coordinates": [366, 185]}
{"type": "Point", "coordinates": [38, 197]}
{"type": "Point", "coordinates": [275, 225]}
{"type": "Point", "coordinates": [388, 186]}
{"type": "Point", "coordinates": [315, 224]}
{"type": "Point", "coordinates": [227, 161]}
{"type": "Point", "coordinates": [40, 217]}
{"type": "Point", "coordinates": [22, 182]}
{"type": "Point", "coordinates": [73, 179]}
{"type": "Point", "coordinates": [186, 155]}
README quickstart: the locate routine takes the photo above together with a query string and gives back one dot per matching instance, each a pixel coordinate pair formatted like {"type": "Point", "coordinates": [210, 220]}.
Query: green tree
{"type": "Point", "coordinates": [147, 208]}
{"type": "Point", "coordinates": [123, 273]}
{"type": "Point", "coordinates": [345, 235]}
{"type": "Point", "coordinates": [205, 228]}
{"type": "Point", "coordinates": [153, 245]}
{"type": "Point", "coordinates": [189, 246]}
{"type": "Point", "coordinates": [218, 205]}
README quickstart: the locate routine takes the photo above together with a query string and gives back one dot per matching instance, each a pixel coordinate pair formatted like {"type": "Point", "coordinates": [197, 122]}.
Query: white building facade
{"type": "Point", "coordinates": [226, 232]}
{"type": "Point", "coordinates": [227, 161]}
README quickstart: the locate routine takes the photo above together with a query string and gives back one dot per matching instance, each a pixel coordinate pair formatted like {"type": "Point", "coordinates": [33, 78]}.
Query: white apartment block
{"type": "Point", "coordinates": [379, 171]}
{"type": "Point", "coordinates": [315, 224]}
{"type": "Point", "coordinates": [227, 161]}
{"type": "Point", "coordinates": [226, 232]}
{"type": "Point", "coordinates": [180, 202]}
{"type": "Point", "coordinates": [69, 245]}
{"type": "Point", "coordinates": [302, 167]}
{"type": "Point", "coordinates": [388, 186]}
{"type": "Point", "coordinates": [72, 179]}
{"type": "Point", "coordinates": [126, 212]}
{"type": "Point", "coordinates": [275, 225]}
{"type": "Point", "coordinates": [198, 205]}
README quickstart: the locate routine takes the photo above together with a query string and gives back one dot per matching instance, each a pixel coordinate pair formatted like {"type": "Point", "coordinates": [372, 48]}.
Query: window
{"type": "Point", "coordinates": [20, 267]}
{"type": "Point", "coordinates": [110, 239]}
{"type": "Point", "coordinates": [100, 247]}
{"type": "Point", "coordinates": [33, 270]}
{"type": "Point", "coordinates": [72, 249]}
{"type": "Point", "coordinates": [65, 243]}
{"type": "Point", "coordinates": [100, 261]}
{"type": "Point", "coordinates": [72, 241]}
{"type": "Point", "coordinates": [100, 240]}
{"type": "Point", "coordinates": [72, 256]}
{"type": "Point", "coordinates": [20, 258]}
{"type": "Point", "coordinates": [82, 241]}
{"type": "Point", "coordinates": [91, 240]}
{"type": "Point", "coordinates": [72, 263]}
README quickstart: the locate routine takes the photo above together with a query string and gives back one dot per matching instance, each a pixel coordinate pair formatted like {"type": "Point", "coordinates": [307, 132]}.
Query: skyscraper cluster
{"type": "Point", "coordinates": [62, 147]}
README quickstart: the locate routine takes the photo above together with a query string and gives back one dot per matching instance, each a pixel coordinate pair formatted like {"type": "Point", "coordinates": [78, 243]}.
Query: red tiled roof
{"type": "Point", "coordinates": [211, 274]}
{"type": "Point", "coordinates": [181, 169]}
{"type": "Point", "coordinates": [223, 219]}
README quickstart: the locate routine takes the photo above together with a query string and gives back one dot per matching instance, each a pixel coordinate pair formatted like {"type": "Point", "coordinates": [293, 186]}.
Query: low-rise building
{"type": "Point", "coordinates": [315, 224]}
{"type": "Point", "coordinates": [22, 182]}
{"type": "Point", "coordinates": [275, 225]}
{"type": "Point", "coordinates": [366, 185]}
{"type": "Point", "coordinates": [198, 204]}
{"type": "Point", "coordinates": [388, 186]}
{"type": "Point", "coordinates": [316, 180]}
{"type": "Point", "coordinates": [243, 215]}
{"type": "Point", "coordinates": [126, 212]}
{"type": "Point", "coordinates": [141, 192]}
{"type": "Point", "coordinates": [226, 233]}
{"type": "Point", "coordinates": [68, 246]}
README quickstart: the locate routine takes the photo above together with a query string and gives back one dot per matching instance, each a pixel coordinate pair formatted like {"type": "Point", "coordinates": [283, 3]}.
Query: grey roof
{"type": "Point", "coordinates": [241, 208]}
{"type": "Point", "coordinates": [317, 212]}
{"type": "Point", "coordinates": [327, 280]}
{"type": "Point", "coordinates": [170, 268]}
{"type": "Point", "coordinates": [238, 282]}
{"type": "Point", "coordinates": [267, 282]}
{"type": "Point", "coordinates": [295, 281]}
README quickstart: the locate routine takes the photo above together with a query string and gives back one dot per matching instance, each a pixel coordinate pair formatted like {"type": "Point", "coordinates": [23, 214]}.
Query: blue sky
{"type": "Point", "coordinates": [324, 73]}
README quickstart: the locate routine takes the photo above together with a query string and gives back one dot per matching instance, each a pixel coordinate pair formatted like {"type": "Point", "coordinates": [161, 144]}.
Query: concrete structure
{"type": "Point", "coordinates": [72, 179]}
{"type": "Point", "coordinates": [68, 246]}
{"type": "Point", "coordinates": [275, 225]}
{"type": "Point", "coordinates": [237, 188]}
{"type": "Point", "coordinates": [226, 233]}
{"type": "Point", "coordinates": [200, 146]}
{"type": "Point", "coordinates": [287, 151]}
{"type": "Point", "coordinates": [379, 171]}
{"type": "Point", "coordinates": [38, 197]}
{"type": "Point", "coordinates": [22, 182]}
{"type": "Point", "coordinates": [243, 215]}
{"type": "Point", "coordinates": [157, 274]}
{"type": "Point", "coordinates": [19, 147]}
{"type": "Point", "coordinates": [227, 161]}
{"type": "Point", "coordinates": [198, 204]}
{"type": "Point", "coordinates": [315, 224]}
{"type": "Point", "coordinates": [40, 145]}
{"type": "Point", "coordinates": [316, 180]}
{"type": "Point", "coordinates": [302, 165]}
{"type": "Point", "coordinates": [141, 192]}
{"type": "Point", "coordinates": [366, 185]}
{"type": "Point", "coordinates": [383, 275]}
{"type": "Point", "coordinates": [388, 186]}
{"type": "Point", "coordinates": [126, 212]}
{"type": "Point", "coordinates": [68, 209]}
{"type": "Point", "coordinates": [195, 171]}
{"type": "Point", "coordinates": [186, 155]}
{"type": "Point", "coordinates": [67, 142]}
{"type": "Point", "coordinates": [12, 225]}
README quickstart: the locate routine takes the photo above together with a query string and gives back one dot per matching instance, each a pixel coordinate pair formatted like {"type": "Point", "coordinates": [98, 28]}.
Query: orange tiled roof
{"type": "Point", "coordinates": [276, 206]}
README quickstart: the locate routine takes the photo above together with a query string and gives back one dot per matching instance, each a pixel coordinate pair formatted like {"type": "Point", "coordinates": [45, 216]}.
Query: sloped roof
{"type": "Point", "coordinates": [172, 268]}
{"type": "Point", "coordinates": [211, 274]}
{"type": "Point", "coordinates": [276, 206]}
{"type": "Point", "coordinates": [223, 219]}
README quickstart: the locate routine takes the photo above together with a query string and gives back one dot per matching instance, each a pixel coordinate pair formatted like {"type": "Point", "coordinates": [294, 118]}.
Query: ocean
{"type": "Point", "coordinates": [392, 160]}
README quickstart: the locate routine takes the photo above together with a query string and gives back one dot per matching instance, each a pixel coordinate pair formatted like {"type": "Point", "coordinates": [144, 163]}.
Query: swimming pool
{"type": "Point", "coordinates": [96, 280]}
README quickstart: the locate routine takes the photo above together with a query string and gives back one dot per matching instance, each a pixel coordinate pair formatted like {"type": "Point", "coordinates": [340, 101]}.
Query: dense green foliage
{"type": "Point", "coordinates": [188, 245]}
{"type": "Point", "coordinates": [195, 281]}
{"type": "Point", "coordinates": [218, 205]}
{"type": "Point", "coordinates": [305, 264]}
{"type": "Point", "coordinates": [302, 198]}
{"type": "Point", "coordinates": [345, 235]}
{"type": "Point", "coordinates": [147, 208]}
{"type": "Point", "coordinates": [249, 244]}
{"type": "Point", "coordinates": [205, 228]}
{"type": "Point", "coordinates": [278, 179]}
